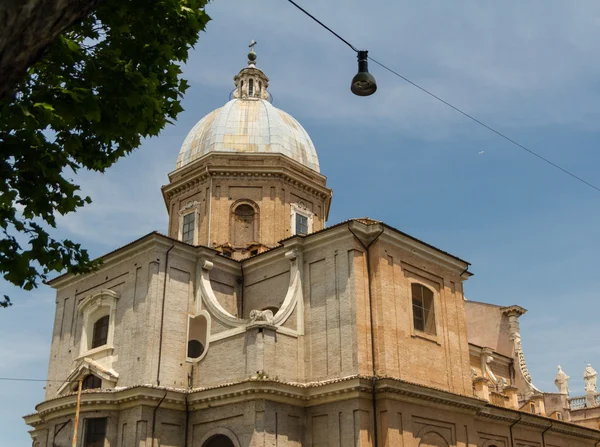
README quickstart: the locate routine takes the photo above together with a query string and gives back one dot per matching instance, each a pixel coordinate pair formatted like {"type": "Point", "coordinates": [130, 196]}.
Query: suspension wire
{"type": "Point", "coordinates": [471, 117]}
{"type": "Point", "coordinates": [19, 379]}
{"type": "Point", "coordinates": [323, 25]}
{"type": "Point", "coordinates": [500, 134]}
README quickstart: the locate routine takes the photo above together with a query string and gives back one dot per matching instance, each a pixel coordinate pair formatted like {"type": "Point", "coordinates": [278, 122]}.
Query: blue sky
{"type": "Point", "coordinates": [531, 233]}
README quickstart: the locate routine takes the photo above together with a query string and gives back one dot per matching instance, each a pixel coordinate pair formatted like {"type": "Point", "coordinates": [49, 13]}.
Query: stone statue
{"type": "Point", "coordinates": [562, 381]}
{"type": "Point", "coordinates": [590, 375]}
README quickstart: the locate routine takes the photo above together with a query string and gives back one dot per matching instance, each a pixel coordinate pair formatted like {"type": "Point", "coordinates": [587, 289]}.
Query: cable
{"type": "Point", "coordinates": [37, 380]}
{"type": "Point", "coordinates": [500, 134]}
{"type": "Point", "coordinates": [323, 25]}
{"type": "Point", "coordinates": [485, 125]}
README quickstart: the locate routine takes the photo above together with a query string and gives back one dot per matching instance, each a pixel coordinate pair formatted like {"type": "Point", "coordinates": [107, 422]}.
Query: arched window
{"type": "Point", "coordinates": [218, 441]}
{"type": "Point", "coordinates": [91, 382]}
{"type": "Point", "coordinates": [98, 326]}
{"type": "Point", "coordinates": [251, 87]}
{"type": "Point", "coordinates": [423, 309]}
{"type": "Point", "coordinates": [243, 225]}
{"type": "Point", "coordinates": [433, 439]}
{"type": "Point", "coordinates": [100, 331]}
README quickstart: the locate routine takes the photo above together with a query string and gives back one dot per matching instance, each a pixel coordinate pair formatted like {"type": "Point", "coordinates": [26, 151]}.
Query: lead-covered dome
{"type": "Point", "coordinates": [249, 123]}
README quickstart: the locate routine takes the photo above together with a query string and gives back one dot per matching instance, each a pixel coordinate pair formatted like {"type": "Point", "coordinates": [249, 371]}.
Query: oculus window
{"type": "Point", "coordinates": [423, 309]}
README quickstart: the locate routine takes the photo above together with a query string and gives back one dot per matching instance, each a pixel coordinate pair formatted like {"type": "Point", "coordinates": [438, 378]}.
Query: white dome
{"type": "Point", "coordinates": [249, 125]}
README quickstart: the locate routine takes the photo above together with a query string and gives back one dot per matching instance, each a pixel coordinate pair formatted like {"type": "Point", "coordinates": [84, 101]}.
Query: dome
{"type": "Point", "coordinates": [249, 124]}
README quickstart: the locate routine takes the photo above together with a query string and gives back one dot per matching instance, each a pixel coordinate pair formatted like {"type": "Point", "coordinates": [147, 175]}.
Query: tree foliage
{"type": "Point", "coordinates": [104, 85]}
{"type": "Point", "coordinates": [28, 27]}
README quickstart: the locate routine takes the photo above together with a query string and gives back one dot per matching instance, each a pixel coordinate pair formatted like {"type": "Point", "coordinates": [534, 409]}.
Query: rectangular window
{"type": "Point", "coordinates": [100, 332]}
{"type": "Point", "coordinates": [187, 232]}
{"type": "Point", "coordinates": [423, 311]}
{"type": "Point", "coordinates": [95, 432]}
{"type": "Point", "coordinates": [301, 224]}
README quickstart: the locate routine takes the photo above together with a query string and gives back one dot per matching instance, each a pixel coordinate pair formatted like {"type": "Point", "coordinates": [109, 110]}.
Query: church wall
{"type": "Point", "coordinates": [224, 361]}
{"type": "Point", "coordinates": [440, 360]}
{"type": "Point", "coordinates": [226, 288]}
{"type": "Point", "coordinates": [488, 327]}
{"type": "Point", "coordinates": [333, 292]}
{"type": "Point", "coordinates": [136, 280]}
{"type": "Point", "coordinates": [266, 287]}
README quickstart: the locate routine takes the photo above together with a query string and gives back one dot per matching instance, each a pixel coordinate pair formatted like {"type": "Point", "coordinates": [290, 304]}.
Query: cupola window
{"type": "Point", "coordinates": [423, 309]}
{"type": "Point", "coordinates": [251, 87]}
{"type": "Point", "coordinates": [187, 232]}
{"type": "Point", "coordinates": [301, 224]}
{"type": "Point", "coordinates": [302, 219]}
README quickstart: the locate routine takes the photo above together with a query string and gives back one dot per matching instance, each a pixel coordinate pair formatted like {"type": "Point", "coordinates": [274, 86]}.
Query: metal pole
{"type": "Point", "coordinates": [77, 413]}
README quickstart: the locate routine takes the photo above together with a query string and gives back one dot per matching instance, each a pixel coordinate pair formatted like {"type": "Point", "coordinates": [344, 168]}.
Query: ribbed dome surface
{"type": "Point", "coordinates": [249, 125]}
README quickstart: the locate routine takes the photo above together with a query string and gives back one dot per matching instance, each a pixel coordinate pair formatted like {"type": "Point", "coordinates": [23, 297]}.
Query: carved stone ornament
{"type": "Point", "coordinates": [261, 317]}
{"type": "Point", "coordinates": [562, 381]}
{"type": "Point", "coordinates": [501, 384]}
{"type": "Point", "coordinates": [188, 206]}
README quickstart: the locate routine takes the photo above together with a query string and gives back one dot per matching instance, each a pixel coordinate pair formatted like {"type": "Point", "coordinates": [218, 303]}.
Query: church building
{"type": "Point", "coordinates": [252, 323]}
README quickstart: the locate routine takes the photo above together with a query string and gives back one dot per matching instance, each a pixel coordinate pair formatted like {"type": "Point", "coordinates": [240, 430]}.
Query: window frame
{"type": "Point", "coordinates": [300, 209]}
{"type": "Point", "coordinates": [100, 333]}
{"type": "Point", "coordinates": [84, 385]}
{"type": "Point", "coordinates": [416, 333]}
{"type": "Point", "coordinates": [192, 230]}
{"type": "Point", "coordinates": [92, 308]}
{"type": "Point", "coordinates": [86, 435]}
{"type": "Point", "coordinates": [191, 207]}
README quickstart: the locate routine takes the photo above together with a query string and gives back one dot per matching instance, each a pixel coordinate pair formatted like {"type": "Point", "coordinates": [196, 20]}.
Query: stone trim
{"type": "Point", "coordinates": [303, 395]}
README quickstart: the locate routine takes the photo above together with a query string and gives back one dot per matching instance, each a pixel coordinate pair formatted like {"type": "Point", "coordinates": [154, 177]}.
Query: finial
{"type": "Point", "coordinates": [252, 54]}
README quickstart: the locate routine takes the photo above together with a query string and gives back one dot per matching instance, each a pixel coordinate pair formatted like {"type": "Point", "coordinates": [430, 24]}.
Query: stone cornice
{"type": "Point", "coordinates": [414, 391]}
{"type": "Point", "coordinates": [149, 242]}
{"type": "Point", "coordinates": [304, 395]}
{"type": "Point", "coordinates": [286, 171]}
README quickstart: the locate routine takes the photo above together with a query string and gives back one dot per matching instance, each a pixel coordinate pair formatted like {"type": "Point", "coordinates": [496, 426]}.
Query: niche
{"type": "Point", "coordinates": [244, 223]}
{"type": "Point", "coordinates": [197, 340]}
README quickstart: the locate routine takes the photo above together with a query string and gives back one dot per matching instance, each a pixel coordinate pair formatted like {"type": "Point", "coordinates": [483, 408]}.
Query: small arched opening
{"type": "Point", "coordinates": [197, 337]}
{"type": "Point", "coordinates": [218, 441]}
{"type": "Point", "coordinates": [251, 87]}
{"type": "Point", "coordinates": [91, 382]}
